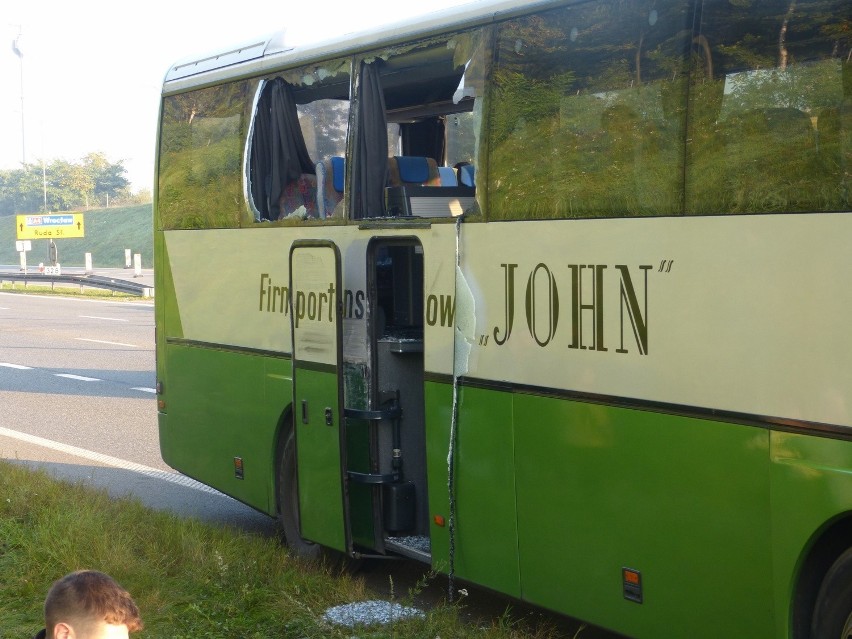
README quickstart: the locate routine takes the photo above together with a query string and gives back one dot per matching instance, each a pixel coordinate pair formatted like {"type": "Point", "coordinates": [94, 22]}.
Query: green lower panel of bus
{"type": "Point", "coordinates": [484, 486]}
{"type": "Point", "coordinates": [318, 452]}
{"type": "Point", "coordinates": [554, 498]}
{"type": "Point", "coordinates": [222, 406]}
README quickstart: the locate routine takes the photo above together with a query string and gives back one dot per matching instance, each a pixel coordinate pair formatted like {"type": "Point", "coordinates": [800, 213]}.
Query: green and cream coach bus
{"type": "Point", "coordinates": [551, 296]}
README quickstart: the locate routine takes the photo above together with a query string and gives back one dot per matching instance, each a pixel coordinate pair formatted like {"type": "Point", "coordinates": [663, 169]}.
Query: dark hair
{"type": "Point", "coordinates": [89, 596]}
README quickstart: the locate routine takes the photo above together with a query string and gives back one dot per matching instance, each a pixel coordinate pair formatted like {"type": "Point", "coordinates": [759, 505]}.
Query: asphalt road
{"type": "Point", "coordinates": [77, 391]}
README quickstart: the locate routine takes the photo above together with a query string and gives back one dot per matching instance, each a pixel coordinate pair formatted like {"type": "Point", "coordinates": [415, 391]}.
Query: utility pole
{"type": "Point", "coordinates": [17, 51]}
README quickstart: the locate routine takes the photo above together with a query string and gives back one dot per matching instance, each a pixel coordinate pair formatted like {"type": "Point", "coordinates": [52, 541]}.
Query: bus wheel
{"type": "Point", "coordinates": [288, 502]}
{"type": "Point", "coordinates": [833, 611]}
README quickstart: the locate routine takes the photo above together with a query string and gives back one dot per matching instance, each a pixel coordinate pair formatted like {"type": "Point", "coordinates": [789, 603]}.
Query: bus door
{"type": "Point", "coordinates": [315, 316]}
{"type": "Point", "coordinates": [397, 416]}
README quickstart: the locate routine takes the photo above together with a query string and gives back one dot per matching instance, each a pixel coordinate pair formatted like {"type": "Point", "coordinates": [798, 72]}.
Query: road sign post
{"type": "Point", "coordinates": [22, 247]}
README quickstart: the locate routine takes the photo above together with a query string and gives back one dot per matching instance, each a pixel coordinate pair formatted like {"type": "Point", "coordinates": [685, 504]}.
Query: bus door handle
{"type": "Point", "coordinates": [304, 411]}
{"type": "Point", "coordinates": [329, 417]}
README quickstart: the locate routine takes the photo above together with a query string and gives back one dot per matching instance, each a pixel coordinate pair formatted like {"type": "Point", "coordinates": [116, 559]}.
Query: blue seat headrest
{"type": "Point", "coordinates": [466, 174]}
{"type": "Point", "coordinates": [413, 169]}
{"type": "Point", "coordinates": [448, 176]}
{"type": "Point", "coordinates": [338, 170]}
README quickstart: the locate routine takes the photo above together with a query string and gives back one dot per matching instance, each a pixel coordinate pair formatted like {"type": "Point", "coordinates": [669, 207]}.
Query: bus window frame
{"type": "Point", "coordinates": [254, 219]}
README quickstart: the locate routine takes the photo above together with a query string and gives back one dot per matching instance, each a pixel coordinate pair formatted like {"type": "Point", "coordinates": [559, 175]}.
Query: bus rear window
{"type": "Point", "coordinates": [201, 141]}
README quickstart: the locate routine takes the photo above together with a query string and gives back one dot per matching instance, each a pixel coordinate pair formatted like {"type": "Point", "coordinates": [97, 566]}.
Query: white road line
{"type": "Point", "coordinates": [78, 377]}
{"type": "Point", "coordinates": [100, 341]}
{"type": "Point", "coordinates": [109, 319]}
{"type": "Point", "coordinates": [115, 462]}
{"type": "Point", "coordinates": [81, 378]}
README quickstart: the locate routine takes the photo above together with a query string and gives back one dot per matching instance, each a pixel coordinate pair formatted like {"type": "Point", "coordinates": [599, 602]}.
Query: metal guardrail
{"type": "Point", "coordinates": [90, 281]}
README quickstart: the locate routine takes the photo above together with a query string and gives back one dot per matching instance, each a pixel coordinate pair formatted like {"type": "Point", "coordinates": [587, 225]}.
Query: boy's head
{"type": "Point", "coordinates": [89, 605]}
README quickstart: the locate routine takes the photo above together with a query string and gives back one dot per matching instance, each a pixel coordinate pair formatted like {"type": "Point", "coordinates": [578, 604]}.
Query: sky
{"type": "Point", "coordinates": [93, 69]}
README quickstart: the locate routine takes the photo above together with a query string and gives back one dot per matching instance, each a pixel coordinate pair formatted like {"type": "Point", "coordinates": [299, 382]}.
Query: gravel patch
{"type": "Point", "coordinates": [417, 542]}
{"type": "Point", "coordinates": [368, 613]}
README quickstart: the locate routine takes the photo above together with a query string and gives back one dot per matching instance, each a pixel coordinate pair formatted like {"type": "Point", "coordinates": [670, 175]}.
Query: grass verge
{"type": "Point", "coordinates": [189, 579]}
{"type": "Point", "coordinates": [70, 291]}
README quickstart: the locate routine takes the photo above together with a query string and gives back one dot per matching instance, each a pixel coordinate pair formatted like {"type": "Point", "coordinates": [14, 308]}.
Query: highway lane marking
{"type": "Point", "coordinates": [107, 460]}
{"type": "Point", "coordinates": [109, 319]}
{"type": "Point", "coordinates": [100, 341]}
{"type": "Point", "coordinates": [78, 377]}
{"type": "Point", "coordinates": [144, 389]}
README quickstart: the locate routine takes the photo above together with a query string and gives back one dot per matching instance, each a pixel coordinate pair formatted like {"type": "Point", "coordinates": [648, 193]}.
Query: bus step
{"type": "Point", "coordinates": [372, 478]}
{"type": "Point", "coordinates": [414, 547]}
{"type": "Point", "coordinates": [394, 412]}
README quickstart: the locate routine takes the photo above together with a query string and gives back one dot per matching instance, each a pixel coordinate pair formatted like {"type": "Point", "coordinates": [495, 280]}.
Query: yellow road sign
{"type": "Point", "coordinates": [49, 227]}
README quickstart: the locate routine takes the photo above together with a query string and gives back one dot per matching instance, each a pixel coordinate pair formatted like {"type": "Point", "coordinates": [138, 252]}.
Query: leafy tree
{"type": "Point", "coordinates": [108, 181]}
{"type": "Point", "coordinates": [66, 185]}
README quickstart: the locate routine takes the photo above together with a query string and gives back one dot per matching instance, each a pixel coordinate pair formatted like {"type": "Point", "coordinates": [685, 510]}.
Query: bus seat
{"type": "Point", "coordinates": [330, 177]}
{"type": "Point", "coordinates": [301, 192]}
{"type": "Point", "coordinates": [466, 174]}
{"type": "Point", "coordinates": [448, 176]}
{"type": "Point", "coordinates": [413, 170]}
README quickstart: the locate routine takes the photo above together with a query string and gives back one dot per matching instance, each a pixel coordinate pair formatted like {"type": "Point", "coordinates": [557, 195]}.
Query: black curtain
{"type": "Point", "coordinates": [424, 139]}
{"type": "Point", "coordinates": [370, 165]}
{"type": "Point", "coordinates": [278, 151]}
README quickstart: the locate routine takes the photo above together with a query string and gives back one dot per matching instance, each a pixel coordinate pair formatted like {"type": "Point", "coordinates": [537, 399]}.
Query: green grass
{"type": "Point", "coordinates": [69, 290]}
{"type": "Point", "coordinates": [189, 579]}
{"type": "Point", "coordinates": [108, 233]}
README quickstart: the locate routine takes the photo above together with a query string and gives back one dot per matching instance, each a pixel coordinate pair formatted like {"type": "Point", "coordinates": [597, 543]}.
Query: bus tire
{"type": "Point", "coordinates": [832, 617]}
{"type": "Point", "coordinates": [288, 502]}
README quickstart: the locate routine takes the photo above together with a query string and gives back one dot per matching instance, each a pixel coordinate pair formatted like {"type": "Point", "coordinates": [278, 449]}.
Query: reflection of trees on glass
{"type": "Point", "coordinates": [201, 145]}
{"type": "Point", "coordinates": [590, 109]}
{"type": "Point", "coordinates": [324, 126]}
{"type": "Point", "coordinates": [772, 125]}
{"type": "Point", "coordinates": [587, 114]}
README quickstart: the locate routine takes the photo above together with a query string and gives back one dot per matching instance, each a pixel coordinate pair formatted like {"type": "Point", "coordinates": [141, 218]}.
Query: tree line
{"type": "Point", "coordinates": [61, 185]}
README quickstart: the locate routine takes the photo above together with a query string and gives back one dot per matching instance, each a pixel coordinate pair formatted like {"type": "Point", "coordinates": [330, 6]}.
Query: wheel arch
{"type": "Point", "coordinates": [823, 549]}
{"type": "Point", "coordinates": [282, 430]}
